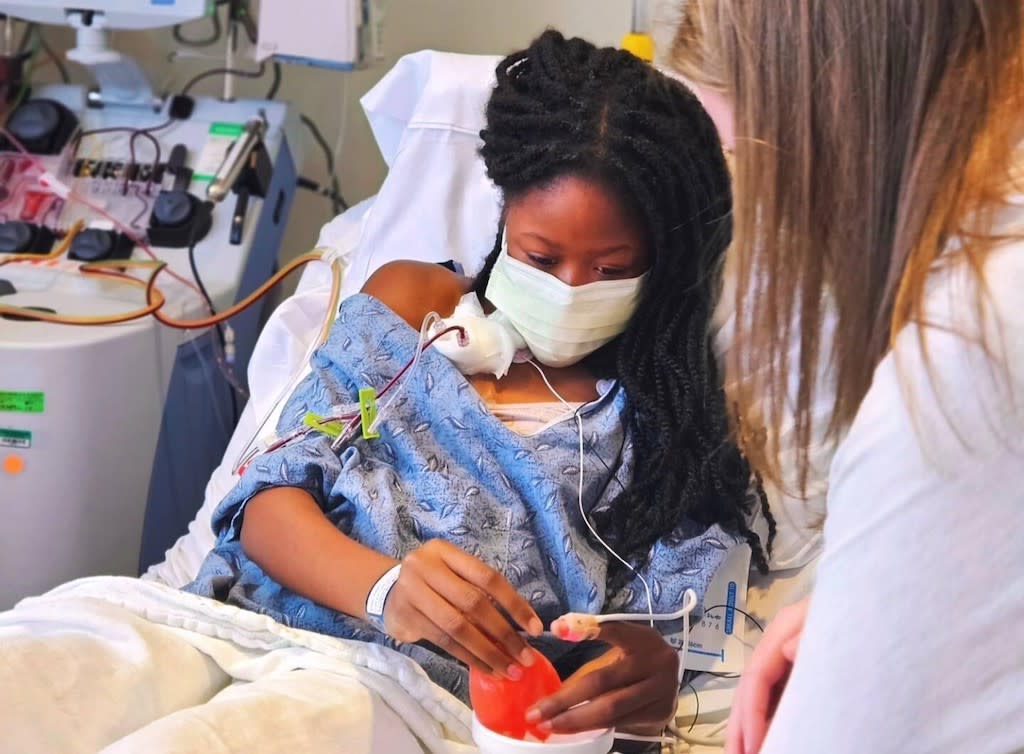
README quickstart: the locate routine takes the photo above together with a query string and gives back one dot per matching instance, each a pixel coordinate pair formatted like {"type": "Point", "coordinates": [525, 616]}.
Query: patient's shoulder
{"type": "Point", "coordinates": [414, 289]}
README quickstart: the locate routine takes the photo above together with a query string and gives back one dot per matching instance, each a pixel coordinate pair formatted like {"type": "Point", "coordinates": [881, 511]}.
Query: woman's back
{"type": "Point", "coordinates": [924, 552]}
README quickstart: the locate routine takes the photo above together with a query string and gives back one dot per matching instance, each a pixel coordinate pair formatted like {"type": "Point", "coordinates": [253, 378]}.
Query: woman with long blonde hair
{"type": "Point", "coordinates": [878, 188]}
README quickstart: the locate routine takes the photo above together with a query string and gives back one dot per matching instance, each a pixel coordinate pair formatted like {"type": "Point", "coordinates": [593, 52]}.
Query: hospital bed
{"type": "Point", "coordinates": [437, 205]}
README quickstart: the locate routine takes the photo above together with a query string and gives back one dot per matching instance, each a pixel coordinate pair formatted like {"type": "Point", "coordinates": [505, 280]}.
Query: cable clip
{"type": "Point", "coordinates": [368, 412]}
{"type": "Point", "coordinates": [316, 423]}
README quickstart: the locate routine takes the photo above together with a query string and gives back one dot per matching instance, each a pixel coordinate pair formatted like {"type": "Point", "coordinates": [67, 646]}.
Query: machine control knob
{"type": "Point", "coordinates": [179, 220]}
{"type": "Point", "coordinates": [36, 120]}
{"type": "Point", "coordinates": [173, 209]}
{"type": "Point", "coordinates": [92, 245]}
{"type": "Point", "coordinates": [42, 126]}
{"type": "Point", "coordinates": [16, 237]}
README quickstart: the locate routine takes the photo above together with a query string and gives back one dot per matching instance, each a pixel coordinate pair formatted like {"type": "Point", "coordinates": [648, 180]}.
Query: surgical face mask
{"type": "Point", "coordinates": [560, 323]}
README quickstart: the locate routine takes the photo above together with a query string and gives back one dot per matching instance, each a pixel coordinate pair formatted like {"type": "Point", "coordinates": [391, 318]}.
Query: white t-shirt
{"type": "Point", "coordinates": [914, 641]}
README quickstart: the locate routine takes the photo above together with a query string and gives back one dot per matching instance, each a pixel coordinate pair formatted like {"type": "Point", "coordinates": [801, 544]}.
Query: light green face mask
{"type": "Point", "coordinates": [560, 323]}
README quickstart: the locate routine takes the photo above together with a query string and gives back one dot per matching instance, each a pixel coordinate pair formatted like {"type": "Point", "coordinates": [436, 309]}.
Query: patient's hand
{"type": "Point", "coordinates": [634, 685]}
{"type": "Point", "coordinates": [450, 598]}
{"type": "Point", "coordinates": [762, 683]}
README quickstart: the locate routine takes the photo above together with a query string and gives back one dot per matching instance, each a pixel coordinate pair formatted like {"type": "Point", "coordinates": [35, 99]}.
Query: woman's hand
{"type": "Point", "coordinates": [762, 683]}
{"type": "Point", "coordinates": [452, 599]}
{"type": "Point", "coordinates": [635, 685]}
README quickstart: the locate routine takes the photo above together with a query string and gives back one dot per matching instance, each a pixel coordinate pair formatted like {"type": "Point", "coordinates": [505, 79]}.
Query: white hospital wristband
{"type": "Point", "coordinates": [378, 596]}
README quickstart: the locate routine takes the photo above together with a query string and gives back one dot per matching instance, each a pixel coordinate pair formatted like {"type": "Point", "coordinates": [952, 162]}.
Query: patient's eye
{"type": "Point", "coordinates": [542, 261]}
{"type": "Point", "coordinates": [612, 272]}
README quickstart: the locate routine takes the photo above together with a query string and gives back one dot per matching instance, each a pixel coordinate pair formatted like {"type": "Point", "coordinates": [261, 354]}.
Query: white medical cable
{"type": "Point", "coordinates": [647, 739]}
{"type": "Point", "coordinates": [689, 603]}
{"type": "Point", "coordinates": [683, 613]}
{"type": "Point", "coordinates": [715, 741]}
{"type": "Point", "coordinates": [579, 425]}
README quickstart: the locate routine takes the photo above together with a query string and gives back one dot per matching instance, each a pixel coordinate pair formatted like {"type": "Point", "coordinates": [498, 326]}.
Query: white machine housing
{"type": "Point", "coordinates": [117, 397]}
{"type": "Point", "coordinates": [120, 78]}
{"type": "Point", "coordinates": [117, 14]}
{"type": "Point", "coordinates": [345, 33]}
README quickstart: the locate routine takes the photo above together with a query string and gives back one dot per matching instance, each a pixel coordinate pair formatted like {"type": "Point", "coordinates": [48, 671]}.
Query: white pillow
{"type": "Point", "coordinates": [436, 203]}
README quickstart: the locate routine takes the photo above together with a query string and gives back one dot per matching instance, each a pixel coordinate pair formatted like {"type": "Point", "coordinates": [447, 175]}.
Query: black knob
{"type": "Point", "coordinates": [178, 220]}
{"type": "Point", "coordinates": [173, 209]}
{"type": "Point", "coordinates": [42, 126]}
{"type": "Point", "coordinates": [92, 244]}
{"type": "Point", "coordinates": [16, 237]}
{"type": "Point", "coordinates": [36, 120]}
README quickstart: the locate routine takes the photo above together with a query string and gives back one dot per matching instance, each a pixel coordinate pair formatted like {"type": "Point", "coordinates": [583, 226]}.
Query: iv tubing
{"type": "Point", "coordinates": [325, 329]}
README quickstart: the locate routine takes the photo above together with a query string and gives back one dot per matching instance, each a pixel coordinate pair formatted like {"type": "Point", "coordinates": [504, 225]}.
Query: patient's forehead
{"type": "Point", "coordinates": [574, 213]}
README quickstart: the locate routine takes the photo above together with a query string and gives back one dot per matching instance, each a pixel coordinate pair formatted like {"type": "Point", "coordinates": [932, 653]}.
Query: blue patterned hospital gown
{"type": "Point", "coordinates": [445, 467]}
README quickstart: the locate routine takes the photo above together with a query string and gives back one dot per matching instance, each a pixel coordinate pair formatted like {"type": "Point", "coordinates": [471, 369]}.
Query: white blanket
{"type": "Point", "coordinates": [123, 665]}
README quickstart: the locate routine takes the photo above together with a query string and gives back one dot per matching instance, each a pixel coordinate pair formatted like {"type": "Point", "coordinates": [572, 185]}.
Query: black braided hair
{"type": "Point", "coordinates": [564, 107]}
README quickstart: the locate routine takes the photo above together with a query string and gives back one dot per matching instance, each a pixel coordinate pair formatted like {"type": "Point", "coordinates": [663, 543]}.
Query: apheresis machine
{"type": "Point", "coordinates": [131, 224]}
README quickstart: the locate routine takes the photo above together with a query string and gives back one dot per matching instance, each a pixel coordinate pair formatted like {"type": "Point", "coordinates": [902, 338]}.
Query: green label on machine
{"type": "Point", "coordinates": [226, 129]}
{"type": "Point", "coordinates": [22, 403]}
{"type": "Point", "coordinates": [15, 438]}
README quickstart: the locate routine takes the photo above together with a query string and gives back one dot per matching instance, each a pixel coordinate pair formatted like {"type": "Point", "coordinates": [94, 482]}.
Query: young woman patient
{"type": "Point", "coordinates": [595, 304]}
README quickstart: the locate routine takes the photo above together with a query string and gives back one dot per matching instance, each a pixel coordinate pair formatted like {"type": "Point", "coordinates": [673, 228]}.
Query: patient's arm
{"type": "Point", "coordinates": [288, 536]}
{"type": "Point", "coordinates": [414, 289]}
{"type": "Point", "coordinates": [443, 595]}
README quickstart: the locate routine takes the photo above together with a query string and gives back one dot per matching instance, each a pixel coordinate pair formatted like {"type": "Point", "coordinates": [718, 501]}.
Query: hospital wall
{"type": "Point", "coordinates": [332, 98]}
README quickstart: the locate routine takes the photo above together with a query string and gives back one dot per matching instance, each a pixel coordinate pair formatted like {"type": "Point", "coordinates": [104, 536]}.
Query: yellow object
{"type": "Point", "coordinates": [317, 423]}
{"type": "Point", "coordinates": [368, 412]}
{"type": "Point", "coordinates": [14, 464]}
{"type": "Point", "coordinates": [641, 45]}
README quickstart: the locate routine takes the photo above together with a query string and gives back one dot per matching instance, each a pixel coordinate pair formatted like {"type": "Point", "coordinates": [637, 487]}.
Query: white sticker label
{"type": "Point", "coordinates": [718, 642]}
{"type": "Point", "coordinates": [15, 438]}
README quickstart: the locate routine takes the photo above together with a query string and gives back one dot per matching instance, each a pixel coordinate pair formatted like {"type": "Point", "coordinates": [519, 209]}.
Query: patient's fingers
{"type": "Point", "coordinates": [437, 580]}
{"type": "Point", "coordinates": [493, 585]}
{"type": "Point", "coordinates": [461, 631]}
{"type": "Point", "coordinates": [474, 605]}
{"type": "Point", "coordinates": [637, 704]}
{"type": "Point", "coordinates": [428, 630]}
